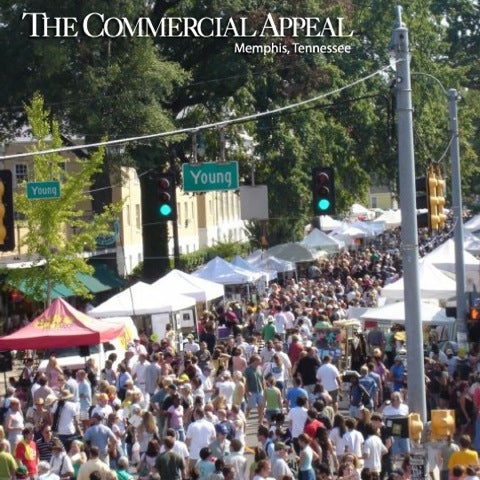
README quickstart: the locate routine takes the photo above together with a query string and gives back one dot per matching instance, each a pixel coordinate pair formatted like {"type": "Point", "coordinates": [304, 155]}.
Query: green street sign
{"type": "Point", "coordinates": [43, 190]}
{"type": "Point", "coordinates": [210, 177]}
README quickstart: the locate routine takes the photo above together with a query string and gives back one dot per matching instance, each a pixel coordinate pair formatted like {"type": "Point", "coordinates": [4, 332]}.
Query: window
{"type": "Point", "coordinates": [138, 221]}
{"type": "Point", "coordinates": [374, 202]}
{"type": "Point", "coordinates": [127, 214]}
{"type": "Point", "coordinates": [21, 173]}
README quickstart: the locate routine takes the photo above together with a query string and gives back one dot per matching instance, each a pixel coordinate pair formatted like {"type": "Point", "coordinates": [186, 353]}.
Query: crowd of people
{"type": "Point", "coordinates": [176, 415]}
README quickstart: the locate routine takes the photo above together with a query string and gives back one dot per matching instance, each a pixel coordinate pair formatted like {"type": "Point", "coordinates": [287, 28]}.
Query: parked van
{"type": "Point", "coordinates": [74, 358]}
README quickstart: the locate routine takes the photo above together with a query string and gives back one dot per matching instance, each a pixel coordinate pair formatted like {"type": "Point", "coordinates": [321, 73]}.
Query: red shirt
{"type": "Point", "coordinates": [20, 456]}
{"type": "Point", "coordinates": [294, 351]}
{"type": "Point", "coordinates": [312, 427]}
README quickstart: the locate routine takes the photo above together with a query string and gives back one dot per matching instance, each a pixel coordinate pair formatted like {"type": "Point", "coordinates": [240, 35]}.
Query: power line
{"type": "Point", "coordinates": [198, 128]}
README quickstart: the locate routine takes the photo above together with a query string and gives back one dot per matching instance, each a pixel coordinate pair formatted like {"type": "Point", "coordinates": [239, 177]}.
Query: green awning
{"type": "Point", "coordinates": [91, 283]}
{"type": "Point", "coordinates": [107, 276]}
{"type": "Point", "coordinates": [58, 290]}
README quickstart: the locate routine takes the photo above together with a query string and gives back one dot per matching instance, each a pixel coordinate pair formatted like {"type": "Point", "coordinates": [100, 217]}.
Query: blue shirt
{"type": "Point", "coordinates": [292, 395]}
{"type": "Point", "coordinates": [99, 435]}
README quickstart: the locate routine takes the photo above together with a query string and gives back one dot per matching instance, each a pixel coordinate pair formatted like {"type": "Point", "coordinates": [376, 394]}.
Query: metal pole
{"type": "Point", "coordinates": [457, 220]}
{"type": "Point", "coordinates": [409, 238]}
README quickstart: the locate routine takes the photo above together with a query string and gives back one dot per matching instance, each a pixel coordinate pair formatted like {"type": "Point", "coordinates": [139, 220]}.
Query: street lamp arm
{"type": "Point", "coordinates": [444, 90]}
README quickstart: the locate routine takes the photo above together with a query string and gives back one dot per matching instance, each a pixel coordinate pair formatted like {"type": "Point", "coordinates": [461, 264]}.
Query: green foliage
{"type": "Point", "coordinates": [48, 221]}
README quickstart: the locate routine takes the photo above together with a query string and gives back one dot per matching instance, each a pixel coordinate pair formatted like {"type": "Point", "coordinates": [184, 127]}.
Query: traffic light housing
{"type": "Point", "coordinates": [443, 424]}
{"type": "Point", "coordinates": [431, 196]}
{"type": "Point", "coordinates": [415, 427]}
{"type": "Point", "coordinates": [323, 191]}
{"type": "Point", "coordinates": [7, 226]}
{"type": "Point", "coordinates": [166, 198]}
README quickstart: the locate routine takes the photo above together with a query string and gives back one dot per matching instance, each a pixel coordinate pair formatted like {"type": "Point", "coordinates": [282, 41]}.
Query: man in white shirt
{"type": "Point", "coordinates": [298, 416]}
{"type": "Point", "coordinates": [280, 322]}
{"type": "Point", "coordinates": [139, 373]}
{"type": "Point", "coordinates": [200, 433]}
{"type": "Point", "coordinates": [191, 345]}
{"type": "Point", "coordinates": [373, 450]}
{"type": "Point", "coordinates": [225, 387]}
{"type": "Point", "coordinates": [396, 408]}
{"type": "Point", "coordinates": [329, 375]}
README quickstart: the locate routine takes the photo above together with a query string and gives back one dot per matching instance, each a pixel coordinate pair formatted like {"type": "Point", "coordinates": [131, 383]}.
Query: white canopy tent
{"type": "Point", "coordinates": [327, 223]}
{"type": "Point", "coordinates": [180, 282]}
{"type": "Point", "coordinates": [269, 275]}
{"type": "Point", "coordinates": [141, 299]}
{"type": "Point", "coordinates": [433, 284]}
{"type": "Point", "coordinates": [295, 252]}
{"type": "Point", "coordinates": [473, 225]}
{"type": "Point", "coordinates": [395, 313]}
{"type": "Point", "coordinates": [321, 241]}
{"type": "Point", "coordinates": [443, 257]}
{"type": "Point", "coordinates": [391, 218]}
{"type": "Point", "coordinates": [220, 271]}
{"type": "Point", "coordinates": [471, 243]}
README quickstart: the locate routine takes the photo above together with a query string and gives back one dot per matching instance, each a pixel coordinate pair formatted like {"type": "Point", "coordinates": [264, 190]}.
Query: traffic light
{"type": "Point", "coordinates": [440, 194]}
{"type": "Point", "coordinates": [430, 195]}
{"type": "Point", "coordinates": [7, 227]}
{"type": "Point", "coordinates": [323, 191]}
{"type": "Point", "coordinates": [443, 424]}
{"type": "Point", "coordinates": [166, 198]}
{"type": "Point", "coordinates": [415, 427]}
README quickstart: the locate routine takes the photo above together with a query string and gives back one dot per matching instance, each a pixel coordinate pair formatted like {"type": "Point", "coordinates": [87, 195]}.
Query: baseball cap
{"type": "Point", "coordinates": [280, 446]}
{"type": "Point", "coordinates": [222, 429]}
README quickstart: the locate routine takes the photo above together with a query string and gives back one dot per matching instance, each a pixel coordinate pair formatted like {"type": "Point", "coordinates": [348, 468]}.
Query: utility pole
{"type": "Point", "coordinates": [409, 237]}
{"type": "Point", "coordinates": [457, 208]}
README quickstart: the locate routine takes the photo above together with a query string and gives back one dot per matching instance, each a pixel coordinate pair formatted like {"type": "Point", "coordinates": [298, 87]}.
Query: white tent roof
{"type": "Point", "coordinates": [220, 271]}
{"type": "Point", "coordinates": [395, 313]}
{"type": "Point", "coordinates": [274, 263]}
{"type": "Point", "coordinates": [443, 257]}
{"type": "Point", "coordinates": [319, 240]}
{"type": "Point", "coordinates": [473, 224]}
{"type": "Point", "coordinates": [269, 275]}
{"type": "Point", "coordinates": [391, 218]}
{"type": "Point", "coordinates": [141, 299]}
{"type": "Point", "coordinates": [471, 243]}
{"type": "Point", "coordinates": [327, 223]}
{"type": "Point", "coordinates": [370, 228]}
{"type": "Point", "coordinates": [433, 284]}
{"type": "Point", "coordinates": [177, 281]}
{"type": "Point", "coordinates": [295, 252]}
{"type": "Point", "coordinates": [347, 230]}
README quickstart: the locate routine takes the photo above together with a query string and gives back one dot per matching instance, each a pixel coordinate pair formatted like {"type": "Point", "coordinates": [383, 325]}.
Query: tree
{"type": "Point", "coordinates": [58, 230]}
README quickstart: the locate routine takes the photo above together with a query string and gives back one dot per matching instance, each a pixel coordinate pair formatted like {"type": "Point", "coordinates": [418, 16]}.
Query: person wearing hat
{"type": "Point", "coordinates": [279, 464]}
{"type": "Point", "coordinates": [65, 418]}
{"type": "Point", "coordinates": [191, 346]}
{"type": "Point", "coordinates": [60, 462]}
{"type": "Point", "coordinates": [220, 447]}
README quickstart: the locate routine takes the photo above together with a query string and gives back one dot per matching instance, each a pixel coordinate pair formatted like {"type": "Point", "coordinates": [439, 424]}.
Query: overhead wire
{"type": "Point", "coordinates": [219, 124]}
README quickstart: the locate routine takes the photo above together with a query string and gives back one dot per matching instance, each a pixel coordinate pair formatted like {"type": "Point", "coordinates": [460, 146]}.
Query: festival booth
{"type": "Point", "coordinates": [61, 326]}
{"type": "Point", "coordinates": [433, 284]}
{"type": "Point", "coordinates": [150, 309]}
{"type": "Point", "coordinates": [443, 257]}
{"type": "Point", "coordinates": [473, 225]}
{"type": "Point", "coordinates": [352, 236]}
{"type": "Point", "coordinates": [327, 223]}
{"type": "Point", "coordinates": [238, 282]}
{"type": "Point", "coordinates": [390, 218]}
{"type": "Point", "coordinates": [319, 240]}
{"type": "Point", "coordinates": [471, 243]}
{"type": "Point", "coordinates": [202, 291]}
{"type": "Point", "coordinates": [263, 261]}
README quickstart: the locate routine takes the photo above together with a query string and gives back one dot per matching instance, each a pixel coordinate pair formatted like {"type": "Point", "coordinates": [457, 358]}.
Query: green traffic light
{"type": "Point", "coordinates": [323, 204]}
{"type": "Point", "coordinates": [165, 210]}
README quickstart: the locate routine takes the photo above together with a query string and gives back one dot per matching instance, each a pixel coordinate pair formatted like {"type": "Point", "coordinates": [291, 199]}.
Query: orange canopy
{"type": "Point", "coordinates": [61, 325]}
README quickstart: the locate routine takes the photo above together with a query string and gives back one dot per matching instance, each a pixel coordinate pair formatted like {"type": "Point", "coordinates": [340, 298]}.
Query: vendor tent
{"type": "Point", "coordinates": [268, 275]}
{"type": "Point", "coordinates": [182, 283]}
{"type": "Point", "coordinates": [141, 299]}
{"type": "Point", "coordinates": [321, 241]}
{"type": "Point", "coordinates": [391, 218]}
{"type": "Point", "coordinates": [395, 313]}
{"type": "Point", "coordinates": [473, 225]}
{"type": "Point", "coordinates": [471, 243]}
{"type": "Point", "coordinates": [433, 284]}
{"type": "Point", "coordinates": [220, 271]}
{"type": "Point", "coordinates": [61, 325]}
{"type": "Point", "coordinates": [295, 252]}
{"type": "Point", "coordinates": [274, 263]}
{"type": "Point", "coordinates": [443, 257]}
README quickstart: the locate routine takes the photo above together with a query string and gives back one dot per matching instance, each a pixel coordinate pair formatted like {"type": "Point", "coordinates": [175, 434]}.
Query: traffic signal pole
{"type": "Point", "coordinates": [457, 208]}
{"type": "Point", "coordinates": [409, 237]}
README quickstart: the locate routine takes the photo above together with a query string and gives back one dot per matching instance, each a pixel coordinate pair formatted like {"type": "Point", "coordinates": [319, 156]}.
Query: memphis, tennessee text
{"type": "Point", "coordinates": [295, 47]}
